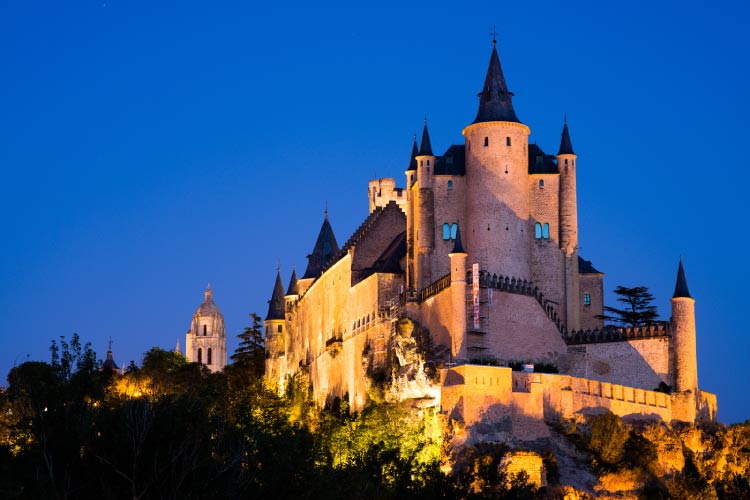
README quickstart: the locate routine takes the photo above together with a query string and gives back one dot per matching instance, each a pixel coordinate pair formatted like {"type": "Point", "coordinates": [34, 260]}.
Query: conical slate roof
{"type": "Point", "coordinates": [458, 247]}
{"type": "Point", "coordinates": [566, 147]}
{"type": "Point", "coordinates": [325, 248]}
{"type": "Point", "coordinates": [681, 287]}
{"type": "Point", "coordinates": [276, 304]}
{"type": "Point", "coordinates": [414, 153]}
{"type": "Point", "coordinates": [425, 149]}
{"type": "Point", "coordinates": [292, 289]}
{"type": "Point", "coordinates": [495, 101]}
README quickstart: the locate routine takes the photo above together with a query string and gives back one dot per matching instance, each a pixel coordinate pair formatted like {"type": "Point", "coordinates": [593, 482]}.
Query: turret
{"type": "Point", "coordinates": [411, 197]}
{"type": "Point", "coordinates": [566, 163]}
{"type": "Point", "coordinates": [109, 363]}
{"type": "Point", "coordinates": [497, 201]}
{"type": "Point", "coordinates": [275, 325]}
{"type": "Point", "coordinates": [683, 336]}
{"type": "Point", "coordinates": [424, 207]}
{"type": "Point", "coordinates": [325, 248]}
{"type": "Point", "coordinates": [458, 258]}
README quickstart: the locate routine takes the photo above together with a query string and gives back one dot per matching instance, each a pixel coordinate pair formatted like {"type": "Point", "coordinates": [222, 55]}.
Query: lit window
{"type": "Point", "coordinates": [450, 184]}
{"type": "Point", "coordinates": [541, 183]}
{"type": "Point", "coordinates": [208, 356]}
{"type": "Point", "coordinates": [545, 231]}
{"type": "Point", "coordinates": [537, 230]}
{"type": "Point", "coordinates": [454, 231]}
{"type": "Point", "coordinates": [486, 141]}
{"type": "Point", "coordinates": [279, 329]}
{"type": "Point", "coordinates": [446, 232]}
{"type": "Point", "coordinates": [586, 299]}
{"type": "Point", "coordinates": [507, 141]}
{"type": "Point", "coordinates": [200, 355]}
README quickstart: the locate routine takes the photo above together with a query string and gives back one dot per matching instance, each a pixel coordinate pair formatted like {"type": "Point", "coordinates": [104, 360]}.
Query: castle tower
{"type": "Point", "coordinates": [206, 341]}
{"type": "Point", "coordinates": [411, 180]}
{"type": "Point", "coordinates": [497, 197]}
{"type": "Point", "coordinates": [458, 258]}
{"type": "Point", "coordinates": [109, 363]}
{"type": "Point", "coordinates": [683, 336]}
{"type": "Point", "coordinates": [424, 208]}
{"type": "Point", "coordinates": [566, 163]}
{"type": "Point", "coordinates": [275, 319]}
{"type": "Point", "coordinates": [325, 248]}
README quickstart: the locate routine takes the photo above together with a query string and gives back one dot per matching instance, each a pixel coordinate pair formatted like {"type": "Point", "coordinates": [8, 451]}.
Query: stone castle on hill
{"type": "Point", "coordinates": [480, 248]}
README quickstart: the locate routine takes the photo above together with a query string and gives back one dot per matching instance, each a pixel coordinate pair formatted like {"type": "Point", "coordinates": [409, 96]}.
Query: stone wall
{"type": "Point", "coordinates": [593, 285]}
{"type": "Point", "coordinates": [383, 191]}
{"type": "Point", "coordinates": [450, 208]}
{"type": "Point", "coordinates": [547, 270]}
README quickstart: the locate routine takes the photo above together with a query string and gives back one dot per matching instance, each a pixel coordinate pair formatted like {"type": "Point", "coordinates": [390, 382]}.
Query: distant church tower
{"type": "Point", "coordinates": [206, 342]}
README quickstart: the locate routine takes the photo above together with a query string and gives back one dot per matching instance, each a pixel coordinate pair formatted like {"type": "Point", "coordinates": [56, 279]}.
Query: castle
{"type": "Point", "coordinates": [480, 248]}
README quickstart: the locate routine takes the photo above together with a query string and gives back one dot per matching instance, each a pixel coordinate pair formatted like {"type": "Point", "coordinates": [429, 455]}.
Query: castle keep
{"type": "Point", "coordinates": [480, 248]}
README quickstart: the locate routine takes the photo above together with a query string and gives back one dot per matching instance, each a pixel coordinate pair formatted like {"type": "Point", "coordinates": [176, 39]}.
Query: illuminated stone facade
{"type": "Point", "coordinates": [206, 342]}
{"type": "Point", "coordinates": [481, 249]}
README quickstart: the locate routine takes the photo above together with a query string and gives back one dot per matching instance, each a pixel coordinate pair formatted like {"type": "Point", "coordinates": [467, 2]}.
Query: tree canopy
{"type": "Point", "coordinates": [638, 307]}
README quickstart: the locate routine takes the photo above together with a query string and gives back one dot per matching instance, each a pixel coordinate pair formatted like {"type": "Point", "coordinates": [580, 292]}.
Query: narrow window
{"type": "Point", "coordinates": [450, 184]}
{"type": "Point", "coordinates": [545, 231]}
{"type": "Point", "coordinates": [507, 141]}
{"type": "Point", "coordinates": [428, 163]}
{"type": "Point", "coordinates": [541, 183]}
{"type": "Point", "coordinates": [446, 232]}
{"type": "Point", "coordinates": [586, 299]}
{"type": "Point", "coordinates": [566, 162]}
{"type": "Point", "coordinates": [208, 356]}
{"type": "Point", "coordinates": [454, 231]}
{"type": "Point", "coordinates": [204, 330]}
{"type": "Point", "coordinates": [486, 141]}
{"type": "Point", "coordinates": [280, 329]}
{"type": "Point", "coordinates": [200, 355]}
{"type": "Point", "coordinates": [537, 230]}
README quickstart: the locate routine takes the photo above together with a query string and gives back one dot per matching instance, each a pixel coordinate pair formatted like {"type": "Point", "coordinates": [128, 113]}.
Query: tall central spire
{"type": "Point", "coordinates": [495, 101]}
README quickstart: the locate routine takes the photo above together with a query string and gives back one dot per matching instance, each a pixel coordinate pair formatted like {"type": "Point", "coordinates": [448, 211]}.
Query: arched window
{"type": "Point", "coordinates": [446, 232]}
{"type": "Point", "coordinates": [208, 356]}
{"type": "Point", "coordinates": [450, 184]}
{"type": "Point", "coordinates": [280, 328]}
{"type": "Point", "coordinates": [545, 231]}
{"type": "Point", "coordinates": [486, 141]}
{"type": "Point", "coordinates": [454, 231]}
{"type": "Point", "coordinates": [204, 330]}
{"type": "Point", "coordinates": [200, 355]}
{"type": "Point", "coordinates": [541, 183]}
{"type": "Point", "coordinates": [507, 141]}
{"type": "Point", "coordinates": [537, 230]}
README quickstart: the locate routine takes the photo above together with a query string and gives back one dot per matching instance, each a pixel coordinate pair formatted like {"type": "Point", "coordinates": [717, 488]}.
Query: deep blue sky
{"type": "Point", "coordinates": [148, 147]}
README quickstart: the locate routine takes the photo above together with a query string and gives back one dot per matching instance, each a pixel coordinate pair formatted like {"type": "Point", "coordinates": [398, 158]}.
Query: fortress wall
{"type": "Point", "coordinates": [375, 240]}
{"type": "Point", "coordinates": [639, 363]}
{"type": "Point", "coordinates": [383, 191]}
{"type": "Point", "coordinates": [436, 315]}
{"type": "Point", "coordinates": [546, 258]}
{"type": "Point", "coordinates": [594, 286]}
{"type": "Point", "coordinates": [518, 329]}
{"type": "Point", "coordinates": [450, 208]}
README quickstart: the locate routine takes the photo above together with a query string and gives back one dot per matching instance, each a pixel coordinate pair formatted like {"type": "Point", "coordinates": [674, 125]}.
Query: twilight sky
{"type": "Point", "coordinates": [148, 147]}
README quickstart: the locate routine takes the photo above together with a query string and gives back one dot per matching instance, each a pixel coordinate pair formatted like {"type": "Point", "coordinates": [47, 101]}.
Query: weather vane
{"type": "Point", "coordinates": [494, 35]}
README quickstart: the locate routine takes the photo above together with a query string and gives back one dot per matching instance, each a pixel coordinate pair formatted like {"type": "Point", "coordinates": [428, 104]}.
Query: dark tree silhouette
{"type": "Point", "coordinates": [251, 352]}
{"type": "Point", "coordinates": [638, 309]}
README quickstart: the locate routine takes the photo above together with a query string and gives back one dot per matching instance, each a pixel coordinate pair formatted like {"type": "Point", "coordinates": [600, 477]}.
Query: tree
{"type": "Point", "coordinates": [251, 353]}
{"type": "Point", "coordinates": [638, 310]}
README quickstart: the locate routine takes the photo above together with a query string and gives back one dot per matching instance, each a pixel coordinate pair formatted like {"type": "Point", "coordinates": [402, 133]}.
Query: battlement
{"type": "Point", "coordinates": [617, 334]}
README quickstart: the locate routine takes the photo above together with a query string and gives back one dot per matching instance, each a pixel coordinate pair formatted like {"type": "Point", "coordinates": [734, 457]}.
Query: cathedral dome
{"type": "Point", "coordinates": [208, 307]}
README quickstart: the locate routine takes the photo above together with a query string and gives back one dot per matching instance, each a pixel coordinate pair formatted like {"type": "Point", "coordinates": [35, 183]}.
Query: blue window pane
{"type": "Point", "coordinates": [537, 230]}
{"type": "Point", "coordinates": [545, 231]}
{"type": "Point", "coordinates": [586, 299]}
{"type": "Point", "coordinates": [454, 231]}
{"type": "Point", "coordinates": [450, 184]}
{"type": "Point", "coordinates": [446, 232]}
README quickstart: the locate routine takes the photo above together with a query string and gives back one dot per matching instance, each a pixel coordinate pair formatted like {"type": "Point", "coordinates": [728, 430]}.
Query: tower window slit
{"type": "Point", "coordinates": [205, 328]}
{"type": "Point", "coordinates": [208, 356]}
{"type": "Point", "coordinates": [507, 141]}
{"type": "Point", "coordinates": [486, 141]}
{"type": "Point", "coordinates": [200, 355]}
{"type": "Point", "coordinates": [279, 328]}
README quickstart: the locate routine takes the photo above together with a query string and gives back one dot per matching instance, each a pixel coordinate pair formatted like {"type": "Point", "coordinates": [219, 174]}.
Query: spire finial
{"type": "Point", "coordinates": [425, 120]}
{"type": "Point", "coordinates": [494, 36]}
{"type": "Point", "coordinates": [208, 294]}
{"type": "Point", "coordinates": [110, 343]}
{"type": "Point", "coordinates": [326, 212]}
{"type": "Point", "coordinates": [565, 118]}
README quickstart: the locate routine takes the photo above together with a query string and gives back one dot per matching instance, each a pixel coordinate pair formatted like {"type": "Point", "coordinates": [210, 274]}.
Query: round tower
{"type": "Point", "coordinates": [497, 202]}
{"type": "Point", "coordinates": [206, 342]}
{"type": "Point", "coordinates": [683, 336]}
{"type": "Point", "coordinates": [411, 179]}
{"type": "Point", "coordinates": [566, 164]}
{"type": "Point", "coordinates": [458, 258]}
{"type": "Point", "coordinates": [424, 207]}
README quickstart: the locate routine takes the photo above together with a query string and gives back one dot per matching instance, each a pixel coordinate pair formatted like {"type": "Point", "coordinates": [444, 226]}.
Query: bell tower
{"type": "Point", "coordinates": [206, 341]}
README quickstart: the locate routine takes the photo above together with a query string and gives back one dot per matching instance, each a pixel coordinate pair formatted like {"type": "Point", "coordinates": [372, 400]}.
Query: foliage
{"type": "Point", "coordinates": [608, 437]}
{"type": "Point", "coordinates": [638, 307]}
{"type": "Point", "coordinates": [250, 353]}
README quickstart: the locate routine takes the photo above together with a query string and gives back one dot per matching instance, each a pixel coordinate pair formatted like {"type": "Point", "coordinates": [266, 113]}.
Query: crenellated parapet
{"type": "Point", "coordinates": [618, 334]}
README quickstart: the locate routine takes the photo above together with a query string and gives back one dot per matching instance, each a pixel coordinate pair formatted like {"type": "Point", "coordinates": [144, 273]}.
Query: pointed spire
{"type": "Point", "coordinates": [109, 363]}
{"type": "Point", "coordinates": [681, 287]}
{"type": "Point", "coordinates": [293, 289]}
{"type": "Point", "coordinates": [276, 304]}
{"type": "Point", "coordinates": [495, 101]}
{"type": "Point", "coordinates": [325, 248]}
{"type": "Point", "coordinates": [458, 247]}
{"type": "Point", "coordinates": [424, 148]}
{"type": "Point", "coordinates": [414, 154]}
{"type": "Point", "coordinates": [566, 147]}
{"type": "Point", "coordinates": [177, 348]}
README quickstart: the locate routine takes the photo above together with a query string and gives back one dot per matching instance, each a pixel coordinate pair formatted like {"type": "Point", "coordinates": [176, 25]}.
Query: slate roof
{"type": "Point", "coordinates": [414, 153]}
{"type": "Point", "coordinates": [566, 147]}
{"type": "Point", "coordinates": [276, 304]}
{"type": "Point", "coordinates": [390, 260]}
{"type": "Point", "coordinates": [585, 267]}
{"type": "Point", "coordinates": [425, 149]}
{"type": "Point", "coordinates": [325, 248]}
{"type": "Point", "coordinates": [293, 289]}
{"type": "Point", "coordinates": [541, 163]}
{"type": "Point", "coordinates": [458, 247]}
{"type": "Point", "coordinates": [453, 162]}
{"type": "Point", "coordinates": [681, 287]}
{"type": "Point", "coordinates": [109, 363]}
{"type": "Point", "coordinates": [495, 101]}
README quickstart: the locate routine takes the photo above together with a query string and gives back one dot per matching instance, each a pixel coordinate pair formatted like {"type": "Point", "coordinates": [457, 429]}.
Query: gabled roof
{"type": "Point", "coordinates": [276, 304]}
{"type": "Point", "coordinates": [585, 267]}
{"type": "Point", "coordinates": [495, 101]}
{"type": "Point", "coordinates": [681, 287]}
{"type": "Point", "coordinates": [566, 147]}
{"type": "Point", "coordinates": [325, 248]}
{"type": "Point", "coordinates": [541, 163]}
